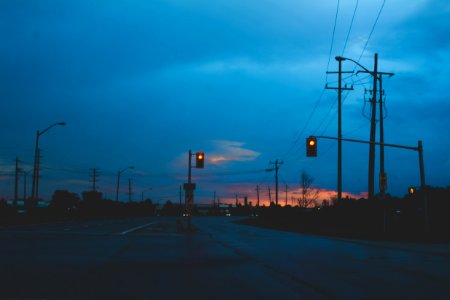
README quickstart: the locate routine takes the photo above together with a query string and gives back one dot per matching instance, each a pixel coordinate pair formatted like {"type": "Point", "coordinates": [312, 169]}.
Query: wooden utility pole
{"type": "Point", "coordinates": [377, 76]}
{"type": "Point", "coordinates": [373, 129]}
{"type": "Point", "coordinates": [339, 134]}
{"type": "Point", "coordinates": [94, 180]}
{"type": "Point", "coordinates": [383, 175]}
{"type": "Point", "coordinates": [277, 166]}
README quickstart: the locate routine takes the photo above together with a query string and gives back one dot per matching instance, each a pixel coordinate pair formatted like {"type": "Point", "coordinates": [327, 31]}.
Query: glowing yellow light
{"type": "Point", "coordinates": [312, 142]}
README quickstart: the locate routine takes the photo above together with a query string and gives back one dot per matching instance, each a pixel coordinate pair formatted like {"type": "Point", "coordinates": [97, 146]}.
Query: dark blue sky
{"type": "Point", "coordinates": [142, 82]}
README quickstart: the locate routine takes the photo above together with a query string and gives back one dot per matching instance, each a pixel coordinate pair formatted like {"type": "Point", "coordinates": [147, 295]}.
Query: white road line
{"type": "Point", "coordinates": [136, 228]}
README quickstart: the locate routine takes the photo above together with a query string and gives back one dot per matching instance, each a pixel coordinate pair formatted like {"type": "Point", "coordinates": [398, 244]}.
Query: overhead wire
{"type": "Point", "coordinates": [332, 37]}
{"type": "Point", "coordinates": [300, 134]}
{"type": "Point", "coordinates": [350, 28]}
{"type": "Point", "coordinates": [371, 31]}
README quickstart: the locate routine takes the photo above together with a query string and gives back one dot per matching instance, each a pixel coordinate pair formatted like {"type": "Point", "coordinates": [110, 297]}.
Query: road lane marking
{"type": "Point", "coordinates": [136, 228]}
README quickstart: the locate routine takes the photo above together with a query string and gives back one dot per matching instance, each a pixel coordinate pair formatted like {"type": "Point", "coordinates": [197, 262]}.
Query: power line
{"type": "Point", "coordinates": [332, 38]}
{"type": "Point", "coordinates": [350, 28]}
{"type": "Point", "coordinates": [305, 126]}
{"type": "Point", "coordinates": [371, 31]}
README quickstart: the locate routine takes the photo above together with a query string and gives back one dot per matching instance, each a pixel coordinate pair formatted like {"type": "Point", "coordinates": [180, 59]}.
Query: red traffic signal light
{"type": "Point", "coordinates": [311, 146]}
{"type": "Point", "coordinates": [200, 160]}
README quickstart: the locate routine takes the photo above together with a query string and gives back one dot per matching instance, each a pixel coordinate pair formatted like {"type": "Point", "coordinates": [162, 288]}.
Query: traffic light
{"type": "Point", "coordinates": [200, 160]}
{"type": "Point", "coordinates": [311, 146]}
{"type": "Point", "coordinates": [411, 190]}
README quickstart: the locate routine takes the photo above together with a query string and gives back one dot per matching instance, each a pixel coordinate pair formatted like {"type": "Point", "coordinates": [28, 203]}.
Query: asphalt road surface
{"type": "Point", "coordinates": [149, 259]}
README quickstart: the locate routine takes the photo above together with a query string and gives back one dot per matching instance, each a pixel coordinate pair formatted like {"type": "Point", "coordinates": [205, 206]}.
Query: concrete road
{"type": "Point", "coordinates": [148, 259]}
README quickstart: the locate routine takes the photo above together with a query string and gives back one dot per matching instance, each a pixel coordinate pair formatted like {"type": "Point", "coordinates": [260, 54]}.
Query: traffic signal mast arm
{"type": "Point", "coordinates": [368, 142]}
{"type": "Point", "coordinates": [419, 149]}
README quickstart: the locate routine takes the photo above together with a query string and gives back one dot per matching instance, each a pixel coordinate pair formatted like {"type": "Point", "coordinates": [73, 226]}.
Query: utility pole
{"type": "Point", "coordinates": [339, 135]}
{"type": "Point", "coordinates": [373, 129]}
{"type": "Point", "coordinates": [237, 200]}
{"type": "Point", "coordinates": [94, 180]}
{"type": "Point", "coordinates": [16, 185]}
{"type": "Point", "coordinates": [383, 175]}
{"type": "Point", "coordinates": [276, 163]}
{"type": "Point", "coordinates": [377, 76]}
{"type": "Point", "coordinates": [257, 195]}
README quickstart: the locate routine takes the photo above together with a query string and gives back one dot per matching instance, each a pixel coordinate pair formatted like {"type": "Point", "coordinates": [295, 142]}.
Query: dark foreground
{"type": "Point", "coordinates": [149, 259]}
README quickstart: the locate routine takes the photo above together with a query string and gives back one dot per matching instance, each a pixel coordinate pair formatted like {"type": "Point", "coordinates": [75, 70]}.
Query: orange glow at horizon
{"type": "Point", "coordinates": [292, 196]}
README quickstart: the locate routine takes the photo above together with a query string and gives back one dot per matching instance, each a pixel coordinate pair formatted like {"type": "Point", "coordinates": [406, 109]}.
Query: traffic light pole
{"type": "Point", "coordinates": [189, 192]}
{"type": "Point", "coordinates": [419, 149]}
{"type": "Point", "coordinates": [189, 187]}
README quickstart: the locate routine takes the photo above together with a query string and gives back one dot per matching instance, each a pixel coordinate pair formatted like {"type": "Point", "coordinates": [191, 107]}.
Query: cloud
{"type": "Point", "coordinates": [227, 151]}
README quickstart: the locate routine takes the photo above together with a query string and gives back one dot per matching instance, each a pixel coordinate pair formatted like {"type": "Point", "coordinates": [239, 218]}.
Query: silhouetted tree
{"type": "Point", "coordinates": [309, 195]}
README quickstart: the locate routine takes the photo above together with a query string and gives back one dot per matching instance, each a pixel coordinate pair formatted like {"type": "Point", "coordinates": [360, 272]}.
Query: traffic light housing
{"type": "Point", "coordinates": [311, 146]}
{"type": "Point", "coordinates": [200, 160]}
{"type": "Point", "coordinates": [411, 190]}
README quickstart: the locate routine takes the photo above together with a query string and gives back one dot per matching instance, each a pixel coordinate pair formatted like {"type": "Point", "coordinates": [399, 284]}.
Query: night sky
{"type": "Point", "coordinates": [139, 83]}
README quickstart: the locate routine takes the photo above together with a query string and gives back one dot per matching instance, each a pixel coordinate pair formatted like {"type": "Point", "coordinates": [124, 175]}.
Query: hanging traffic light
{"type": "Point", "coordinates": [311, 146]}
{"type": "Point", "coordinates": [411, 190]}
{"type": "Point", "coordinates": [200, 160]}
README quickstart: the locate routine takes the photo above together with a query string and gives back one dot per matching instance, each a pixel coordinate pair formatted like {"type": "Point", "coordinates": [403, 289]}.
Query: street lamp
{"type": "Point", "coordinates": [377, 76]}
{"type": "Point", "coordinates": [118, 180]}
{"type": "Point", "coordinates": [35, 185]}
{"type": "Point", "coordinates": [142, 193]}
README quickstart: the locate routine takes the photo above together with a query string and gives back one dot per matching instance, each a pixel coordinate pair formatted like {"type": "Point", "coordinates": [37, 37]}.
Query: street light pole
{"type": "Point", "coordinates": [118, 180]}
{"type": "Point", "coordinates": [35, 184]}
{"type": "Point", "coordinates": [376, 76]}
